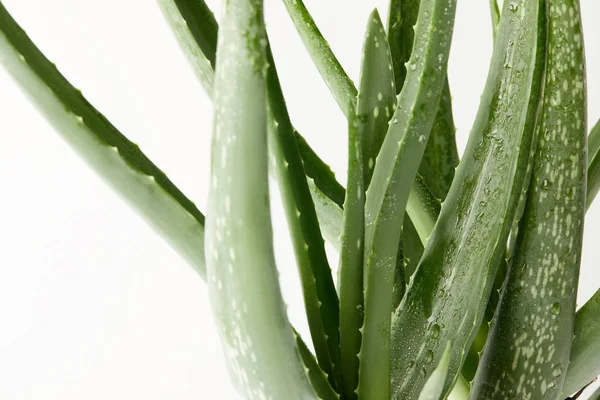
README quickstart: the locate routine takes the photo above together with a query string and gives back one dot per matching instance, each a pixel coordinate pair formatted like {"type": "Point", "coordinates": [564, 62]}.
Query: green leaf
{"type": "Point", "coordinates": [585, 364]}
{"type": "Point", "coordinates": [258, 341]}
{"type": "Point", "coordinates": [351, 262]}
{"type": "Point", "coordinates": [317, 377]}
{"type": "Point", "coordinates": [320, 297]}
{"type": "Point", "coordinates": [441, 155]}
{"type": "Point", "coordinates": [376, 94]}
{"type": "Point", "coordinates": [110, 154]}
{"type": "Point", "coordinates": [495, 11]}
{"type": "Point", "coordinates": [196, 30]}
{"type": "Point", "coordinates": [446, 298]}
{"type": "Point", "coordinates": [530, 338]}
{"type": "Point", "coordinates": [434, 387]}
{"type": "Point", "coordinates": [593, 142]}
{"type": "Point", "coordinates": [593, 180]}
{"type": "Point", "coordinates": [394, 174]}
{"type": "Point", "coordinates": [331, 71]}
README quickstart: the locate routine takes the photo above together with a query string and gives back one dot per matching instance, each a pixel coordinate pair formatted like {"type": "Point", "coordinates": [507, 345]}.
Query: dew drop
{"type": "Point", "coordinates": [435, 331]}
{"type": "Point", "coordinates": [513, 6]}
{"type": "Point", "coordinates": [556, 308]}
{"type": "Point", "coordinates": [428, 357]}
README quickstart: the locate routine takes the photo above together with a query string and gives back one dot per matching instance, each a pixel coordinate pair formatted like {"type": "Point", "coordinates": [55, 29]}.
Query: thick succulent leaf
{"type": "Point", "coordinates": [258, 341]}
{"type": "Point", "coordinates": [530, 338]}
{"type": "Point", "coordinates": [394, 174]}
{"type": "Point", "coordinates": [434, 387]}
{"type": "Point", "coordinates": [340, 85]}
{"type": "Point", "coordinates": [585, 364]}
{"type": "Point", "coordinates": [320, 173]}
{"type": "Point", "coordinates": [110, 154]}
{"type": "Point", "coordinates": [593, 142]}
{"type": "Point", "coordinates": [495, 11]}
{"type": "Point", "coordinates": [317, 377]}
{"type": "Point", "coordinates": [593, 180]}
{"type": "Point", "coordinates": [196, 30]}
{"type": "Point", "coordinates": [441, 155]}
{"type": "Point", "coordinates": [376, 93]}
{"type": "Point", "coordinates": [351, 262]}
{"type": "Point", "coordinates": [423, 207]}
{"type": "Point", "coordinates": [446, 298]}
{"type": "Point", "coordinates": [320, 297]}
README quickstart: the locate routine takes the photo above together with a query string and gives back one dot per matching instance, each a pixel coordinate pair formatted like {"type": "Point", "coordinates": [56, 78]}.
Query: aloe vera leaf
{"type": "Point", "coordinates": [585, 365]}
{"type": "Point", "coordinates": [447, 296]}
{"type": "Point", "coordinates": [376, 93]}
{"type": "Point", "coordinates": [110, 154]}
{"type": "Point", "coordinates": [351, 261]}
{"type": "Point", "coordinates": [530, 338]}
{"type": "Point", "coordinates": [320, 297]}
{"type": "Point", "coordinates": [441, 155]}
{"type": "Point", "coordinates": [336, 79]}
{"type": "Point", "coordinates": [593, 142]}
{"type": "Point", "coordinates": [434, 387]}
{"type": "Point", "coordinates": [318, 378]}
{"type": "Point", "coordinates": [495, 11]}
{"type": "Point", "coordinates": [258, 341]}
{"type": "Point", "coordinates": [196, 30]}
{"type": "Point", "coordinates": [320, 173]}
{"type": "Point", "coordinates": [393, 176]}
{"type": "Point", "coordinates": [593, 180]}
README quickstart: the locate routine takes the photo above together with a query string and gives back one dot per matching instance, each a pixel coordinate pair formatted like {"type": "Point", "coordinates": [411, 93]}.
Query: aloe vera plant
{"type": "Point", "coordinates": [424, 239]}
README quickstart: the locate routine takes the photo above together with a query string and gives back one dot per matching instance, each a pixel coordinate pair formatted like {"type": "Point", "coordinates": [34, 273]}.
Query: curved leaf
{"type": "Point", "coordinates": [340, 85]}
{"type": "Point", "coordinates": [441, 155]}
{"type": "Point", "coordinates": [495, 11]}
{"type": "Point", "coordinates": [434, 387]}
{"type": "Point", "coordinates": [530, 338]}
{"type": "Point", "coordinates": [593, 142]}
{"type": "Point", "coordinates": [446, 298]}
{"type": "Point", "coordinates": [585, 364]}
{"type": "Point", "coordinates": [394, 174]}
{"type": "Point", "coordinates": [258, 342]}
{"type": "Point", "coordinates": [110, 154]}
{"type": "Point", "coordinates": [196, 31]}
{"type": "Point", "coordinates": [320, 297]}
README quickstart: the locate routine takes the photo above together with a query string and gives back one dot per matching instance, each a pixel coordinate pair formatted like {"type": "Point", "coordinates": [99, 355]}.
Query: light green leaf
{"type": "Point", "coordinates": [446, 298]}
{"type": "Point", "coordinates": [394, 174]}
{"type": "Point", "coordinates": [258, 342]}
{"type": "Point", "coordinates": [593, 142]}
{"type": "Point", "coordinates": [434, 387]}
{"type": "Point", "coordinates": [495, 11]}
{"type": "Point", "coordinates": [320, 297]}
{"type": "Point", "coordinates": [585, 364]}
{"type": "Point", "coordinates": [196, 30]}
{"type": "Point", "coordinates": [532, 331]}
{"type": "Point", "coordinates": [317, 377]}
{"type": "Point", "coordinates": [110, 154]}
{"type": "Point", "coordinates": [340, 85]}
{"type": "Point", "coordinates": [351, 262]}
{"type": "Point", "coordinates": [593, 180]}
{"type": "Point", "coordinates": [441, 155]}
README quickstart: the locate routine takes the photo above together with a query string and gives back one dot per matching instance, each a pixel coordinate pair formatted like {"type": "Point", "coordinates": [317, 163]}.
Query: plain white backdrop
{"type": "Point", "coordinates": [93, 304]}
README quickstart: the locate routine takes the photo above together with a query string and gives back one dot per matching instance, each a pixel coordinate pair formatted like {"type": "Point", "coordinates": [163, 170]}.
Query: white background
{"type": "Point", "coordinates": [93, 305]}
